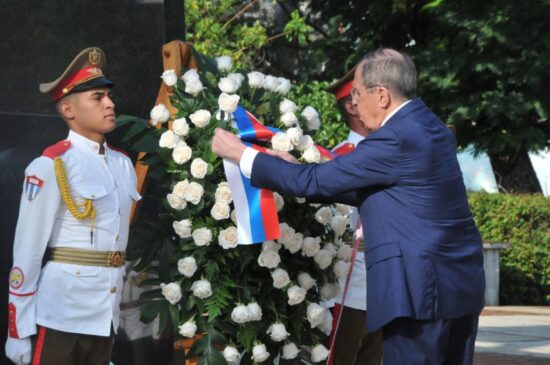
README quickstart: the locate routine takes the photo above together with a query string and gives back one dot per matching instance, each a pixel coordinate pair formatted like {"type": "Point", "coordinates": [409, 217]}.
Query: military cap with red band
{"type": "Point", "coordinates": [342, 88]}
{"type": "Point", "coordinates": [85, 72]}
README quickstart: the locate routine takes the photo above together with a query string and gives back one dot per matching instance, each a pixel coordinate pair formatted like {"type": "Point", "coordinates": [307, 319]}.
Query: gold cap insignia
{"type": "Point", "coordinates": [94, 56]}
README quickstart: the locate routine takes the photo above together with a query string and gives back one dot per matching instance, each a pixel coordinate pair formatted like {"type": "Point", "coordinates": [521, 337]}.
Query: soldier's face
{"type": "Point", "coordinates": [92, 112]}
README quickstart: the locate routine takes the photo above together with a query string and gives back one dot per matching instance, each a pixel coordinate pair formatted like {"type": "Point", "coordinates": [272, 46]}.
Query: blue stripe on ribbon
{"type": "Point", "coordinates": [247, 132]}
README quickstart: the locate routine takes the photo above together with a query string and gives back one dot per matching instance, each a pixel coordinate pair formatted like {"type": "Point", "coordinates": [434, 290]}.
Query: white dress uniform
{"type": "Point", "coordinates": [357, 290]}
{"type": "Point", "coordinates": [62, 296]}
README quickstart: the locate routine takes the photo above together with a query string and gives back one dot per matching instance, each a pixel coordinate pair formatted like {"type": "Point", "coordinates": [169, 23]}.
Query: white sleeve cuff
{"type": "Point", "coordinates": [247, 160]}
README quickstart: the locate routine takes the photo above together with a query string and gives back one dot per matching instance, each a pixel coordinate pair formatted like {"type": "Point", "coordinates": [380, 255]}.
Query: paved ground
{"type": "Point", "coordinates": [513, 335]}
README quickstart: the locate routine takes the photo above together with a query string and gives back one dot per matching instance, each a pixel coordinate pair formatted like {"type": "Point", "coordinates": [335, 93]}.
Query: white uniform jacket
{"type": "Point", "coordinates": [357, 290]}
{"type": "Point", "coordinates": [67, 297]}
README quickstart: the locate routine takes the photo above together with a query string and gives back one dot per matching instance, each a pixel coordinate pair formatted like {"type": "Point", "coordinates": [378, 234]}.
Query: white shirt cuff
{"type": "Point", "coordinates": [247, 160]}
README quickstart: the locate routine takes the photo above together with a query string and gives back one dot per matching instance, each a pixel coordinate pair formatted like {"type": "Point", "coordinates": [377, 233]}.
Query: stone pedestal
{"type": "Point", "coordinates": [491, 263]}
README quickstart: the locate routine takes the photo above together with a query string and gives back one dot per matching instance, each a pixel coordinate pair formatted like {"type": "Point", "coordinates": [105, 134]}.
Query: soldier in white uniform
{"type": "Point", "coordinates": [352, 344]}
{"type": "Point", "coordinates": [74, 217]}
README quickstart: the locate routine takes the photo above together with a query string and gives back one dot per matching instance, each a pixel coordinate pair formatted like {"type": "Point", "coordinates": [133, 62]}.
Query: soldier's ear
{"type": "Point", "coordinates": [351, 109]}
{"type": "Point", "coordinates": [65, 108]}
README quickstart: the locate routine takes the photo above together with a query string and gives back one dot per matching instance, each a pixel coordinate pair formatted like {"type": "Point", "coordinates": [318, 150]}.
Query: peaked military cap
{"type": "Point", "coordinates": [342, 88]}
{"type": "Point", "coordinates": [83, 73]}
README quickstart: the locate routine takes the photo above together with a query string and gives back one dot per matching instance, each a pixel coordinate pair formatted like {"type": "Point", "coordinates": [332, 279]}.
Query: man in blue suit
{"type": "Point", "coordinates": [423, 250]}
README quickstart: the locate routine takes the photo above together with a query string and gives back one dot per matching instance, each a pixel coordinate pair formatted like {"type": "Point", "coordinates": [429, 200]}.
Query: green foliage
{"type": "Point", "coordinates": [524, 222]}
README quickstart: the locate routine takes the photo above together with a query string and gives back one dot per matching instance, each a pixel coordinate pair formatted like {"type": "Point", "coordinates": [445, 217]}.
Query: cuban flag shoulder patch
{"type": "Point", "coordinates": [33, 185]}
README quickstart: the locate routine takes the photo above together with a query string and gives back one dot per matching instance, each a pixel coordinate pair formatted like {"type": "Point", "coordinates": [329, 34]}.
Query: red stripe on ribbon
{"type": "Point", "coordinates": [22, 294]}
{"type": "Point", "coordinates": [262, 132]}
{"type": "Point", "coordinates": [39, 345]}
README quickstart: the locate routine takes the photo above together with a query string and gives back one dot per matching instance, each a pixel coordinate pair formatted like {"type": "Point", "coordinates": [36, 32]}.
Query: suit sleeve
{"type": "Point", "coordinates": [374, 163]}
{"type": "Point", "coordinates": [40, 203]}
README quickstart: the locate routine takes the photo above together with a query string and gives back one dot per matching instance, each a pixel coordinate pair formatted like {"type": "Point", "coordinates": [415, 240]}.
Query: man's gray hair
{"type": "Point", "coordinates": [391, 69]}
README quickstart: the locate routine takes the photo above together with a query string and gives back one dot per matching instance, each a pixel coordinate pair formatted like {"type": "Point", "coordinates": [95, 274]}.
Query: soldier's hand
{"type": "Point", "coordinates": [19, 350]}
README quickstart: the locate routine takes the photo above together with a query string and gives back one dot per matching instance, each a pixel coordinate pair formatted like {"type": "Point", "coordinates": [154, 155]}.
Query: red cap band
{"type": "Point", "coordinates": [76, 78]}
{"type": "Point", "coordinates": [344, 90]}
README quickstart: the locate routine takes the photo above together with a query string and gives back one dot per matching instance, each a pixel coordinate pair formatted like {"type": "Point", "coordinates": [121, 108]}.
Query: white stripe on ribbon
{"type": "Point", "coordinates": [233, 174]}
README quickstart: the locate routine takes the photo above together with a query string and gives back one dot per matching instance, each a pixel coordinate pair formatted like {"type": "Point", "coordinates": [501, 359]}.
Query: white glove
{"type": "Point", "coordinates": [19, 350]}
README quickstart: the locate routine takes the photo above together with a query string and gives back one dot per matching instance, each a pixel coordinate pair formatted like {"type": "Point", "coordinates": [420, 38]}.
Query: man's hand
{"type": "Point", "coordinates": [227, 145]}
{"type": "Point", "coordinates": [19, 350]}
{"type": "Point", "coordinates": [284, 155]}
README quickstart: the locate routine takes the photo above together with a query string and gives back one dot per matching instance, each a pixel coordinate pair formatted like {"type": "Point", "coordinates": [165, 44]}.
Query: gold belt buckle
{"type": "Point", "coordinates": [116, 259]}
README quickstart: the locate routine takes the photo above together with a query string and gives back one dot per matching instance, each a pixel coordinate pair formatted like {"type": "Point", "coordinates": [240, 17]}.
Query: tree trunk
{"type": "Point", "coordinates": [515, 173]}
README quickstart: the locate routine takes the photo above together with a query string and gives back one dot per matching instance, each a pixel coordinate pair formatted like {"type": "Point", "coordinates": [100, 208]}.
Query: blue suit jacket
{"type": "Point", "coordinates": [423, 250]}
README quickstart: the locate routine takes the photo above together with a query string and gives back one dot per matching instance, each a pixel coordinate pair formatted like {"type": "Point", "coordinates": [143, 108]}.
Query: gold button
{"type": "Point", "coordinates": [113, 289]}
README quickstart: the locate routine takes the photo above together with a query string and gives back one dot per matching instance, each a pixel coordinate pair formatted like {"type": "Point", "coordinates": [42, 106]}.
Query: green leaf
{"type": "Point", "coordinates": [136, 129]}
{"type": "Point", "coordinates": [147, 143]}
{"type": "Point", "coordinates": [150, 310]}
{"type": "Point", "coordinates": [124, 119]}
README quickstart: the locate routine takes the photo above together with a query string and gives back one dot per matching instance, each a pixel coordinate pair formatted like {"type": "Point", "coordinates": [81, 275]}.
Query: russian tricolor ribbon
{"type": "Point", "coordinates": [257, 219]}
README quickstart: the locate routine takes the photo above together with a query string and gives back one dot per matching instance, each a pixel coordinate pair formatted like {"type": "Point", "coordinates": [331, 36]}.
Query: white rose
{"type": "Point", "coordinates": [228, 103]}
{"type": "Point", "coordinates": [289, 119]}
{"type": "Point", "coordinates": [199, 168]}
{"type": "Point", "coordinates": [277, 332]}
{"type": "Point", "coordinates": [313, 124]}
{"type": "Point", "coordinates": [223, 193]}
{"type": "Point", "coordinates": [287, 106]}
{"type": "Point", "coordinates": [284, 86]}
{"type": "Point", "coordinates": [228, 238]}
{"type": "Point", "coordinates": [159, 114]}
{"type": "Point", "coordinates": [180, 127]}
{"type": "Point", "coordinates": [296, 295]}
{"type": "Point", "coordinates": [271, 83]}
{"type": "Point", "coordinates": [187, 266]}
{"type": "Point", "coordinates": [305, 142]}
{"type": "Point", "coordinates": [331, 248]}
{"type": "Point", "coordinates": [225, 63]}
{"type": "Point", "coordinates": [237, 77]}
{"type": "Point", "coordinates": [345, 252]}
{"type": "Point", "coordinates": [180, 187]}
{"type": "Point", "coordinates": [168, 140]}
{"type": "Point", "coordinates": [315, 314]}
{"type": "Point", "coordinates": [319, 353]}
{"type": "Point", "coordinates": [193, 87]}
{"type": "Point", "coordinates": [306, 281]}
{"type": "Point", "coordinates": [202, 236]}
{"type": "Point", "coordinates": [280, 278]}
{"type": "Point", "coordinates": [240, 314]}
{"type": "Point", "coordinates": [326, 326]}
{"type": "Point", "coordinates": [311, 246]}
{"type": "Point", "coordinates": [286, 233]}
{"type": "Point", "coordinates": [323, 258]}
{"type": "Point", "coordinates": [312, 155]}
{"type": "Point", "coordinates": [182, 228]}
{"type": "Point", "coordinates": [290, 351]}
{"type": "Point", "coordinates": [300, 200]}
{"type": "Point", "coordinates": [182, 153]}
{"type": "Point", "coordinates": [295, 134]}
{"type": "Point", "coordinates": [227, 85]}
{"type": "Point", "coordinates": [281, 142]}
{"type": "Point", "coordinates": [231, 355]}
{"type": "Point", "coordinates": [193, 193]}
{"type": "Point", "coordinates": [190, 76]}
{"type": "Point", "coordinates": [201, 289]}
{"type": "Point", "coordinates": [339, 223]}
{"type": "Point", "coordinates": [254, 312]}
{"type": "Point", "coordinates": [188, 329]}
{"type": "Point", "coordinates": [176, 202]}
{"type": "Point", "coordinates": [343, 209]}
{"type": "Point", "coordinates": [259, 353]}
{"type": "Point", "coordinates": [279, 201]}
{"type": "Point", "coordinates": [328, 291]}
{"type": "Point", "coordinates": [271, 246]}
{"type": "Point", "coordinates": [295, 243]}
{"type": "Point", "coordinates": [323, 215]}
{"type": "Point", "coordinates": [310, 113]}
{"type": "Point", "coordinates": [220, 211]}
{"type": "Point", "coordinates": [169, 77]}
{"type": "Point", "coordinates": [269, 259]}
{"type": "Point", "coordinates": [256, 79]}
{"type": "Point", "coordinates": [172, 292]}
{"type": "Point", "coordinates": [341, 268]}
{"type": "Point", "coordinates": [200, 118]}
